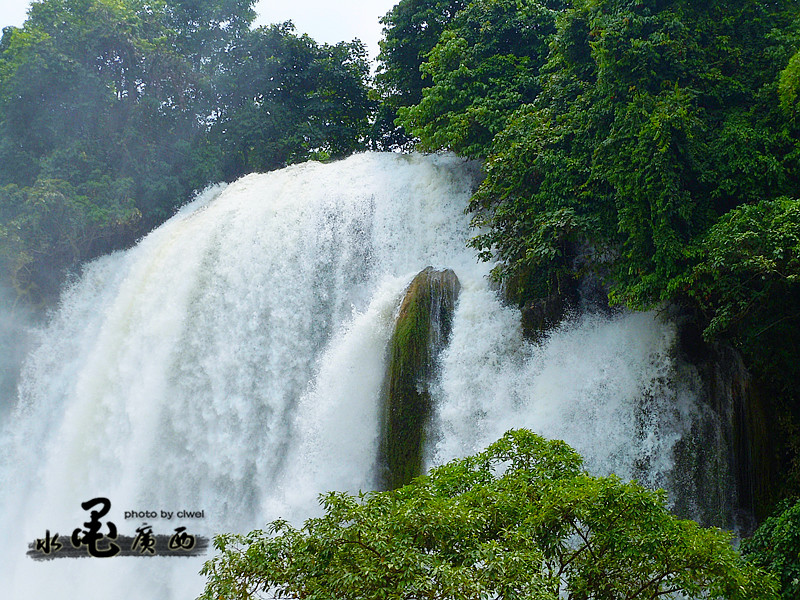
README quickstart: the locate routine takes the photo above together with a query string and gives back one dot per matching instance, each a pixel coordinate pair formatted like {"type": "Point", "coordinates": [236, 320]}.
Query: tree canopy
{"type": "Point", "coordinates": [283, 99]}
{"type": "Point", "coordinates": [632, 127]}
{"type": "Point", "coordinates": [113, 113]}
{"type": "Point", "coordinates": [483, 67]}
{"type": "Point", "coordinates": [411, 29]}
{"type": "Point", "coordinates": [521, 519]}
{"type": "Point", "coordinates": [654, 119]}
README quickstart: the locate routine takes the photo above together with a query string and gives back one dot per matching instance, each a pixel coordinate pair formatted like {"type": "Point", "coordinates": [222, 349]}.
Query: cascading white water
{"type": "Point", "coordinates": [605, 384]}
{"type": "Point", "coordinates": [232, 363]}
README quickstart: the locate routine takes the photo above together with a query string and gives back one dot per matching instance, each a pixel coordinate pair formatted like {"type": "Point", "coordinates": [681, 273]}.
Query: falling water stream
{"type": "Point", "coordinates": [231, 363]}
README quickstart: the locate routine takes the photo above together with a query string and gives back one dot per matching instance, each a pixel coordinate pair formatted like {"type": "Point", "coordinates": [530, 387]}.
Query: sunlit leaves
{"type": "Point", "coordinates": [410, 30]}
{"type": "Point", "coordinates": [790, 86]}
{"type": "Point", "coordinates": [519, 520]}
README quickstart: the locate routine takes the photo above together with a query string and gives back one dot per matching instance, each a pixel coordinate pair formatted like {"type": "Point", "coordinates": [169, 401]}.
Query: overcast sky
{"type": "Point", "coordinates": [324, 20]}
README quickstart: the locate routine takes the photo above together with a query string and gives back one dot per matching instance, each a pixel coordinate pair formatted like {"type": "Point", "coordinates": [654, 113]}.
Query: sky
{"type": "Point", "coordinates": [323, 20]}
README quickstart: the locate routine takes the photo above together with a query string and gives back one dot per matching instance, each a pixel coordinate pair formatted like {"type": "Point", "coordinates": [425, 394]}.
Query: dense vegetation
{"type": "Point", "coordinates": [776, 547]}
{"type": "Point", "coordinates": [652, 143]}
{"type": "Point", "coordinates": [112, 113]}
{"type": "Point", "coordinates": [519, 520]}
{"type": "Point", "coordinates": [655, 144]}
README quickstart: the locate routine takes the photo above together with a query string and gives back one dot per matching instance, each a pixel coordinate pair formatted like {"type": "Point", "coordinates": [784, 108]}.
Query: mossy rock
{"type": "Point", "coordinates": [422, 329]}
{"type": "Point", "coordinates": [542, 304]}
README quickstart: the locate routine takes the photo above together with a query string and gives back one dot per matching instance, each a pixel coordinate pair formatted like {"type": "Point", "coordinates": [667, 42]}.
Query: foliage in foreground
{"type": "Point", "coordinates": [519, 520]}
{"type": "Point", "coordinates": [776, 546]}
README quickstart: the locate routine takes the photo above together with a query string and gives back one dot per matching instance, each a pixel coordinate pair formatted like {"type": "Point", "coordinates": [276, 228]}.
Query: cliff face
{"type": "Point", "coordinates": [727, 466]}
{"type": "Point", "coordinates": [736, 463]}
{"type": "Point", "coordinates": [422, 329]}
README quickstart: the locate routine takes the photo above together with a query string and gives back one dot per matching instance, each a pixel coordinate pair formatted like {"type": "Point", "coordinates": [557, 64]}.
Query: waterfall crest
{"type": "Point", "coordinates": [232, 362]}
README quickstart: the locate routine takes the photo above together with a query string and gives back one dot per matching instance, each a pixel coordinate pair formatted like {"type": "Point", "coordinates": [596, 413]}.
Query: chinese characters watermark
{"type": "Point", "coordinates": [100, 539]}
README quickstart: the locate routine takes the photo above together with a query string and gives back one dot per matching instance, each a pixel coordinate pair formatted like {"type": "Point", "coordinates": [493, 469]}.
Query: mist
{"type": "Point", "coordinates": [16, 334]}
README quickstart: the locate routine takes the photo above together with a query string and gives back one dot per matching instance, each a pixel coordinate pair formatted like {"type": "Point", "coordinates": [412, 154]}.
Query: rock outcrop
{"type": "Point", "coordinates": [422, 329]}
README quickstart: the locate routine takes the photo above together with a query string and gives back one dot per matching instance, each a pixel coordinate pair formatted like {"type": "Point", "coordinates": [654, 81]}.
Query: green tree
{"type": "Point", "coordinates": [286, 99]}
{"type": "Point", "coordinates": [775, 546]}
{"type": "Point", "coordinates": [205, 29]}
{"type": "Point", "coordinates": [95, 103]}
{"type": "Point", "coordinates": [54, 223]}
{"type": "Point", "coordinates": [411, 29]}
{"type": "Point", "coordinates": [484, 66]}
{"type": "Point", "coordinates": [126, 107]}
{"type": "Point", "coordinates": [789, 87]}
{"type": "Point", "coordinates": [748, 284]}
{"type": "Point", "coordinates": [519, 520]}
{"type": "Point", "coordinates": [653, 120]}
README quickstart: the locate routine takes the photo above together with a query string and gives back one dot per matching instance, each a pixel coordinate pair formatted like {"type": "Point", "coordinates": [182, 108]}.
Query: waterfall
{"type": "Point", "coordinates": [232, 363]}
